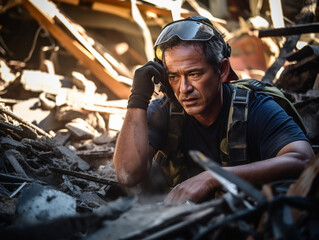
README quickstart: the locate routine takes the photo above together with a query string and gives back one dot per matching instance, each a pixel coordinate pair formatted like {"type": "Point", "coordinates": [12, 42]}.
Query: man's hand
{"type": "Point", "coordinates": [195, 189]}
{"type": "Point", "coordinates": [143, 85]}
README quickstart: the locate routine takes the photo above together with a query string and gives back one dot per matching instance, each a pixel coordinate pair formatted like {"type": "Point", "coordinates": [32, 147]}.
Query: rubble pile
{"type": "Point", "coordinates": [66, 69]}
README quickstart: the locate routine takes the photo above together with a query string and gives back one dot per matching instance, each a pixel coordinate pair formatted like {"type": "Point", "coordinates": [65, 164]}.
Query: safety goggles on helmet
{"type": "Point", "coordinates": [191, 29]}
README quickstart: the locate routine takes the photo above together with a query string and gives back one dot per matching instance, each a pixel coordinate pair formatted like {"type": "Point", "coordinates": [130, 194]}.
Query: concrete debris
{"type": "Point", "coordinates": [66, 69]}
{"type": "Point", "coordinates": [38, 203]}
{"type": "Point", "coordinates": [37, 81]}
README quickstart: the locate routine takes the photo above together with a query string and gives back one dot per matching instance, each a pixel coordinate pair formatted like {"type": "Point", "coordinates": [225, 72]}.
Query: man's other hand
{"type": "Point", "coordinates": [195, 189]}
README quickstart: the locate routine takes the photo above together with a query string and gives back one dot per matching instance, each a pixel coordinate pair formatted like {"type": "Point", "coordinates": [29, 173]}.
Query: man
{"type": "Point", "coordinates": [193, 57]}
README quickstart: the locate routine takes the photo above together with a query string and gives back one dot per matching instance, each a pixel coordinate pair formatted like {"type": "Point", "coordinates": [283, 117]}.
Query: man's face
{"type": "Point", "coordinates": [194, 81]}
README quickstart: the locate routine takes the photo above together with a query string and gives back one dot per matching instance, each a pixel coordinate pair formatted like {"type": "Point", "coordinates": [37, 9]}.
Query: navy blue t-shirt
{"type": "Point", "coordinates": [269, 128]}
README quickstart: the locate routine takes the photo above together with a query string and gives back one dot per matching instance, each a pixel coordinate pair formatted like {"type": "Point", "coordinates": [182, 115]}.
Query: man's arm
{"type": "Point", "coordinates": [289, 163]}
{"type": "Point", "coordinates": [133, 155]}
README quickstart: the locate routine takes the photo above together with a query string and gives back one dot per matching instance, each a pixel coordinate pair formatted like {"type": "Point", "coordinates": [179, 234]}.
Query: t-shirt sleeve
{"type": "Point", "coordinates": [270, 128]}
{"type": "Point", "coordinates": [157, 117]}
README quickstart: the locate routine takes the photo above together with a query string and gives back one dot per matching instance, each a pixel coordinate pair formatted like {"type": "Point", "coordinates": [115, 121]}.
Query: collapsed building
{"type": "Point", "coordinates": [65, 76]}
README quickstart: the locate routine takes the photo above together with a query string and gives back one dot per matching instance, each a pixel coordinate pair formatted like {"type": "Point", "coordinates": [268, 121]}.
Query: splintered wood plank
{"type": "Point", "coordinates": [45, 13]}
{"type": "Point", "coordinates": [155, 9]}
{"type": "Point", "coordinates": [305, 185]}
{"type": "Point", "coordinates": [305, 182]}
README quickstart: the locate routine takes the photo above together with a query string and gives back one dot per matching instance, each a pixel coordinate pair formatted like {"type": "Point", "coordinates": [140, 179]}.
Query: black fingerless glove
{"type": "Point", "coordinates": [143, 85]}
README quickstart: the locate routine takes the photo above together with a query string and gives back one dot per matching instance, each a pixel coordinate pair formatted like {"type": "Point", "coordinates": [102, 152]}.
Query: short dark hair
{"type": "Point", "coordinates": [214, 49]}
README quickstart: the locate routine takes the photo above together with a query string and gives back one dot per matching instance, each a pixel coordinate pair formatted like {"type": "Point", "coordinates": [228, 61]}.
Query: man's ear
{"type": "Point", "coordinates": [224, 70]}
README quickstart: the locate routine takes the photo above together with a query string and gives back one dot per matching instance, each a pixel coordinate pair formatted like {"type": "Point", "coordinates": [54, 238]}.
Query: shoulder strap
{"type": "Point", "coordinates": [278, 96]}
{"type": "Point", "coordinates": [170, 159]}
{"type": "Point", "coordinates": [175, 126]}
{"type": "Point", "coordinates": [237, 126]}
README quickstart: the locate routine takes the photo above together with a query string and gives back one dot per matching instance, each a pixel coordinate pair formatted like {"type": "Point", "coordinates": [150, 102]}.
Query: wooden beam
{"type": "Point", "coordinates": [164, 12]}
{"type": "Point", "coordinates": [112, 9]}
{"type": "Point", "coordinates": [45, 12]}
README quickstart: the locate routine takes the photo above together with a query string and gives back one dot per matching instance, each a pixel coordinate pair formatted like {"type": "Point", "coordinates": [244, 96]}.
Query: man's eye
{"type": "Point", "coordinates": [194, 75]}
{"type": "Point", "coordinates": [172, 78]}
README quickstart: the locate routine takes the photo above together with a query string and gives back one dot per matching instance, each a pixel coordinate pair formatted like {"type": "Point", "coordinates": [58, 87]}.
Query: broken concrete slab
{"type": "Point", "coordinates": [31, 111]}
{"type": "Point", "coordinates": [6, 75]}
{"type": "Point", "coordinates": [38, 203]}
{"type": "Point", "coordinates": [38, 81]}
{"type": "Point", "coordinates": [80, 129]}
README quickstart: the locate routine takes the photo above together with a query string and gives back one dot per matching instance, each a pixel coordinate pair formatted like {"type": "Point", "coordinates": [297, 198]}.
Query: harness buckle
{"type": "Point", "coordinates": [174, 110]}
{"type": "Point", "coordinates": [161, 158]}
{"type": "Point", "coordinates": [171, 112]}
{"type": "Point", "coordinates": [241, 100]}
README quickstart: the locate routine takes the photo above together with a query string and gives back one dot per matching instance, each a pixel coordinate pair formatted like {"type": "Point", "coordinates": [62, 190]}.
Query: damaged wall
{"type": "Point", "coordinates": [64, 82]}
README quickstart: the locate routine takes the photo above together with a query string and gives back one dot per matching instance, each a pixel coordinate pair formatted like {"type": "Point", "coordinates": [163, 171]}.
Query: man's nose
{"type": "Point", "coordinates": [186, 85]}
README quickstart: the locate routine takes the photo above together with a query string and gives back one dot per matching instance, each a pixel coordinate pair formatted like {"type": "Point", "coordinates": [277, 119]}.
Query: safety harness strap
{"type": "Point", "coordinates": [175, 126]}
{"type": "Point", "coordinates": [171, 159]}
{"type": "Point", "coordinates": [237, 133]}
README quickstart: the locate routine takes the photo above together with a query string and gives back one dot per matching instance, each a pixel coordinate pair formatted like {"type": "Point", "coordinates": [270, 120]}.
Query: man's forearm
{"type": "Point", "coordinates": [288, 164]}
{"type": "Point", "coordinates": [131, 157]}
{"type": "Point", "coordinates": [266, 171]}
